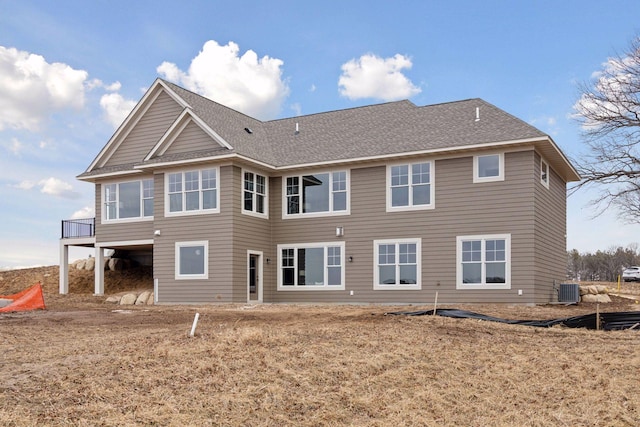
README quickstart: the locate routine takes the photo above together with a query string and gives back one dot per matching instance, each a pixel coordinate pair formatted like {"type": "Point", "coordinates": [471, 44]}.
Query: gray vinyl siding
{"type": "Point", "coordinates": [249, 233]}
{"type": "Point", "coordinates": [147, 131]}
{"type": "Point", "coordinates": [120, 231]}
{"type": "Point", "coordinates": [550, 232]}
{"type": "Point", "coordinates": [215, 228]}
{"type": "Point", "coordinates": [192, 138]}
{"type": "Point", "coordinates": [461, 208]}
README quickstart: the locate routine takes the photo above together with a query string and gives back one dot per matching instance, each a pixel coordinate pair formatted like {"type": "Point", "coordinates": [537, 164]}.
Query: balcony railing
{"type": "Point", "coordinates": [74, 228]}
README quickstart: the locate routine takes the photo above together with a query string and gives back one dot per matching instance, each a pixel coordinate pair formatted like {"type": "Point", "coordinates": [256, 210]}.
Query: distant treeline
{"type": "Point", "coordinates": [603, 265]}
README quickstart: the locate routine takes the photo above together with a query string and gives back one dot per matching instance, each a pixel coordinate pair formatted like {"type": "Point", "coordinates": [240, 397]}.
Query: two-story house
{"type": "Point", "coordinates": [386, 203]}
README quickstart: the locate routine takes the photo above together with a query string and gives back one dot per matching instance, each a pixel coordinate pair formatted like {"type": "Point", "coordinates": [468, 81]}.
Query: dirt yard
{"type": "Point", "coordinates": [83, 362]}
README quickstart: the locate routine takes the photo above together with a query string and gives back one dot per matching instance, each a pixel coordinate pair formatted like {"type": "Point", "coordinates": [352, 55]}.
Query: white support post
{"type": "Point", "coordinates": [99, 271]}
{"type": "Point", "coordinates": [64, 269]}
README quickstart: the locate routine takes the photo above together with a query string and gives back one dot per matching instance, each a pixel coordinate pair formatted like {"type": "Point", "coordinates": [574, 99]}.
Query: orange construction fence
{"type": "Point", "coordinates": [29, 299]}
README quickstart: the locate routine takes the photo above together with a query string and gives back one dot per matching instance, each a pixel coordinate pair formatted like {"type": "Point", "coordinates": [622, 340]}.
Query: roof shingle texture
{"type": "Point", "coordinates": [377, 130]}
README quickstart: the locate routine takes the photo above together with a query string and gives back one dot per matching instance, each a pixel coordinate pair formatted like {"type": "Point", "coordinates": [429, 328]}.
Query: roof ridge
{"type": "Point", "coordinates": [206, 99]}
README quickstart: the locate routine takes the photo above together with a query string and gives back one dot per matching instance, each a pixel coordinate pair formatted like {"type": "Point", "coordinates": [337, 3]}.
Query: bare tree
{"type": "Point", "coordinates": [609, 112]}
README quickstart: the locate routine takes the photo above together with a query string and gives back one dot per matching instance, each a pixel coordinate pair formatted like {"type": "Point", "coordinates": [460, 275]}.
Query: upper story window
{"type": "Point", "coordinates": [409, 186]}
{"type": "Point", "coordinates": [316, 194]}
{"type": "Point", "coordinates": [194, 191]}
{"type": "Point", "coordinates": [488, 168]}
{"type": "Point", "coordinates": [254, 194]}
{"type": "Point", "coordinates": [544, 173]}
{"type": "Point", "coordinates": [129, 200]}
{"type": "Point", "coordinates": [484, 262]}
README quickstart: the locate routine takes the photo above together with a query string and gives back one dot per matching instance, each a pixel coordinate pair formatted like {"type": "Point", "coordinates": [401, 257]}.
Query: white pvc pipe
{"type": "Point", "coordinates": [195, 323]}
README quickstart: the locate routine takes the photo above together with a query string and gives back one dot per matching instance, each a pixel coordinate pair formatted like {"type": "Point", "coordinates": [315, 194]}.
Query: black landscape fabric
{"type": "Point", "coordinates": [608, 321]}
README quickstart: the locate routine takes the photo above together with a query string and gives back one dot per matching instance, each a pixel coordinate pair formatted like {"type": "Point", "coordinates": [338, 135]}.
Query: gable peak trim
{"type": "Point", "coordinates": [132, 119]}
{"type": "Point", "coordinates": [177, 127]}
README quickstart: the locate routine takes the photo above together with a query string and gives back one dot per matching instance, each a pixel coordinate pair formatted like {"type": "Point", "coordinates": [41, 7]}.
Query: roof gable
{"type": "Point", "coordinates": [200, 130]}
{"type": "Point", "coordinates": [157, 104]}
{"type": "Point", "coordinates": [187, 133]}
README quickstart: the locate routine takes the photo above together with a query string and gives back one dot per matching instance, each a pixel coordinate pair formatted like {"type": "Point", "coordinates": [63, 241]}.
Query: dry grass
{"type": "Point", "coordinates": [82, 363]}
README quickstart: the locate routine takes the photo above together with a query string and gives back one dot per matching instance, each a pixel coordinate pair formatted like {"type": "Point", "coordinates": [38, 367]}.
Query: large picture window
{"type": "Point", "coordinates": [128, 200]}
{"type": "Point", "coordinates": [484, 262]}
{"type": "Point", "coordinates": [254, 194]}
{"type": "Point", "coordinates": [410, 186]}
{"type": "Point", "coordinates": [312, 266]}
{"type": "Point", "coordinates": [192, 260]}
{"type": "Point", "coordinates": [320, 193]}
{"type": "Point", "coordinates": [397, 264]}
{"type": "Point", "coordinates": [193, 191]}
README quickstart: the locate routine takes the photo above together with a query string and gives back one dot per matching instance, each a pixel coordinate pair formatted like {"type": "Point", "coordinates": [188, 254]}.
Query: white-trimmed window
{"type": "Point", "coordinates": [191, 192]}
{"type": "Point", "coordinates": [488, 168]}
{"type": "Point", "coordinates": [131, 200]}
{"type": "Point", "coordinates": [192, 260]}
{"type": "Point", "coordinates": [544, 173]}
{"type": "Point", "coordinates": [311, 266]}
{"type": "Point", "coordinates": [410, 186]}
{"type": "Point", "coordinates": [317, 194]}
{"type": "Point", "coordinates": [254, 194]}
{"type": "Point", "coordinates": [484, 262]}
{"type": "Point", "coordinates": [397, 264]}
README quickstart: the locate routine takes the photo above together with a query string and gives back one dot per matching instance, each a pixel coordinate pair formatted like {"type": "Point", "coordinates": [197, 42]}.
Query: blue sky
{"type": "Point", "coordinates": [71, 70]}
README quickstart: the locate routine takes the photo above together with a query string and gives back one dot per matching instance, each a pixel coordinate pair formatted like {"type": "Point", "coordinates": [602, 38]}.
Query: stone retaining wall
{"type": "Point", "coordinates": [594, 293]}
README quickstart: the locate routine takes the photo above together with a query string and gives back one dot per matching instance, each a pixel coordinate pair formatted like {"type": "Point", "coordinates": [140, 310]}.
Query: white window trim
{"type": "Point", "coordinates": [412, 207]}
{"type": "Point", "coordinates": [200, 211]}
{"type": "Point", "coordinates": [103, 208]}
{"type": "Point", "coordinates": [544, 167]}
{"type": "Point", "coordinates": [484, 237]}
{"type": "Point", "coordinates": [307, 288]}
{"type": "Point", "coordinates": [286, 215]}
{"type": "Point", "coordinates": [478, 179]}
{"type": "Point", "coordinates": [376, 273]}
{"type": "Point", "coordinates": [264, 215]}
{"type": "Point", "coordinates": [203, 276]}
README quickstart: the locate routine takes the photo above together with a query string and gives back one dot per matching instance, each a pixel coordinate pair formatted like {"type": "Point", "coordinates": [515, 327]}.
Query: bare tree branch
{"type": "Point", "coordinates": [609, 112]}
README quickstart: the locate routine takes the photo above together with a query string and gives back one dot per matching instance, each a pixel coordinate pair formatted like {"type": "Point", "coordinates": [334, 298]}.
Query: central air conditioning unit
{"type": "Point", "coordinates": [569, 293]}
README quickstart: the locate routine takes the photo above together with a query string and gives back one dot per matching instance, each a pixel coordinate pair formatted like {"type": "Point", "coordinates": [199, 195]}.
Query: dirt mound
{"type": "Point", "coordinates": [80, 281]}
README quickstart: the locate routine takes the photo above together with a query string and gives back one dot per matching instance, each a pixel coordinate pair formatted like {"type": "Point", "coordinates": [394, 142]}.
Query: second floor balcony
{"type": "Point", "coordinates": [78, 228]}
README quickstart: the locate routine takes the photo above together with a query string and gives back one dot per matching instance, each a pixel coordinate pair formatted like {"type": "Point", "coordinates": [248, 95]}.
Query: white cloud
{"type": "Point", "coordinates": [116, 108]}
{"type": "Point", "coordinates": [246, 83]}
{"type": "Point", "coordinates": [297, 109]}
{"type": "Point", "coordinates": [25, 185]}
{"type": "Point", "coordinates": [373, 77]}
{"type": "Point", "coordinates": [14, 146]}
{"type": "Point", "coordinates": [86, 212]}
{"type": "Point", "coordinates": [31, 88]}
{"type": "Point", "coordinates": [114, 87]}
{"type": "Point", "coordinates": [547, 124]}
{"type": "Point", "coordinates": [615, 81]}
{"type": "Point", "coordinates": [58, 188]}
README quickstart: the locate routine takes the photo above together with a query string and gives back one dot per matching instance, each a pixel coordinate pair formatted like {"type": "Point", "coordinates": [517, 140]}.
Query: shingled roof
{"type": "Point", "coordinates": [370, 131]}
{"type": "Point", "coordinates": [376, 131]}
